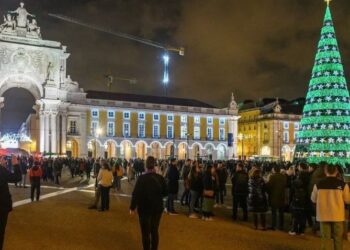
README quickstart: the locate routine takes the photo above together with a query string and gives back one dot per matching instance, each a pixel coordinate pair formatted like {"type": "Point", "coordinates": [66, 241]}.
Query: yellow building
{"type": "Point", "coordinates": [269, 128]}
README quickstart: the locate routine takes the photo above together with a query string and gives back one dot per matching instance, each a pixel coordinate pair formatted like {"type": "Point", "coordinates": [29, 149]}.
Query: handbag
{"type": "Point", "coordinates": [208, 193]}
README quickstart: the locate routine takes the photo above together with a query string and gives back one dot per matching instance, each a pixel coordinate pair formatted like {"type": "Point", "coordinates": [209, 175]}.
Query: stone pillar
{"type": "Point", "coordinates": [47, 132]}
{"type": "Point", "coordinates": [42, 132]}
{"type": "Point", "coordinates": [63, 133]}
{"type": "Point", "coordinates": [83, 134]}
{"type": "Point", "coordinates": [54, 133]}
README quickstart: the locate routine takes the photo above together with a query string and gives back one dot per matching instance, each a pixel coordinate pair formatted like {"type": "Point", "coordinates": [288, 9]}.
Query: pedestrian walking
{"type": "Point", "coordinates": [147, 198]}
{"type": "Point", "coordinates": [5, 196]}
{"type": "Point", "coordinates": [330, 195]}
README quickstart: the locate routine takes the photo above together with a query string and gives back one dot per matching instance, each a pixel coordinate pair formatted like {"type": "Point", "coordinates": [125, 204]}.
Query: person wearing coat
{"type": "Point", "coordinates": [35, 174]}
{"type": "Point", "coordinates": [240, 191]}
{"type": "Point", "coordinates": [257, 201]}
{"type": "Point", "coordinates": [209, 185]}
{"type": "Point", "coordinates": [276, 188]}
{"type": "Point", "coordinates": [173, 176]}
{"type": "Point", "coordinates": [5, 196]}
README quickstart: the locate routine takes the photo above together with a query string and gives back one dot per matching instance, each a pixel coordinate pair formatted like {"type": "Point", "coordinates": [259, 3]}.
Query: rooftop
{"type": "Point", "coordinates": [91, 94]}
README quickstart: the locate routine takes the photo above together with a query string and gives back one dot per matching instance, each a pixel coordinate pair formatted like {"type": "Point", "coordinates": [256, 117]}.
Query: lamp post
{"type": "Point", "coordinates": [98, 131]}
{"type": "Point", "coordinates": [187, 140]}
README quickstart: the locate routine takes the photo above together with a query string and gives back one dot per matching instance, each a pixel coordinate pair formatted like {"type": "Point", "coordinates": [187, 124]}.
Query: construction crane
{"type": "Point", "coordinates": [166, 48]}
{"type": "Point", "coordinates": [111, 78]}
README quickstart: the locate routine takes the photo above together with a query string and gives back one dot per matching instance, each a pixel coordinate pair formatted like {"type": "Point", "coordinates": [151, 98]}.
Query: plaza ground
{"type": "Point", "coordinates": [64, 222]}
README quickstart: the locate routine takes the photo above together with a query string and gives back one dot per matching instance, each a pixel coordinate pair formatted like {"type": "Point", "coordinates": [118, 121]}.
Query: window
{"type": "Point", "coordinates": [183, 132]}
{"type": "Point", "coordinates": [184, 118]}
{"type": "Point", "coordinates": [73, 127]}
{"type": "Point", "coordinates": [94, 125]}
{"type": "Point", "coordinates": [210, 120]}
{"type": "Point", "coordinates": [170, 118]}
{"type": "Point", "coordinates": [196, 133]}
{"type": "Point", "coordinates": [94, 113]}
{"type": "Point", "coordinates": [111, 114]}
{"type": "Point", "coordinates": [286, 137]}
{"type": "Point", "coordinates": [286, 125]}
{"type": "Point", "coordinates": [296, 126]}
{"type": "Point", "coordinates": [170, 131]}
{"type": "Point", "coordinates": [156, 117]}
{"type": "Point", "coordinates": [222, 121]}
{"type": "Point", "coordinates": [142, 116]}
{"type": "Point", "coordinates": [126, 115]}
{"type": "Point", "coordinates": [209, 133]}
{"type": "Point", "coordinates": [155, 131]}
{"type": "Point", "coordinates": [126, 129]}
{"type": "Point", "coordinates": [141, 130]}
{"type": "Point", "coordinates": [197, 120]}
{"type": "Point", "coordinates": [266, 137]}
{"type": "Point", "coordinates": [221, 134]}
{"type": "Point", "coordinates": [110, 129]}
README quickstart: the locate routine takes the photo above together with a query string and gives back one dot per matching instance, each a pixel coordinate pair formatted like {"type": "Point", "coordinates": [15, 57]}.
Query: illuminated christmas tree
{"type": "Point", "coordinates": [325, 124]}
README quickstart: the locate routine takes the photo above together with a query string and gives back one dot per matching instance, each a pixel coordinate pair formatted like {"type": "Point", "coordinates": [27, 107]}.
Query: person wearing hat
{"type": "Point", "coordinates": [5, 196]}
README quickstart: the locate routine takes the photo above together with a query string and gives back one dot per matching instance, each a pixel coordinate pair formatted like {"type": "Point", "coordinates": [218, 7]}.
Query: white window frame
{"type": "Point", "coordinates": [156, 114]}
{"type": "Point", "coordinates": [172, 118]}
{"type": "Point", "coordinates": [93, 128]}
{"type": "Point", "coordinates": [296, 126]}
{"type": "Point", "coordinates": [211, 133]}
{"type": "Point", "coordinates": [222, 121]}
{"type": "Point", "coordinates": [124, 130]}
{"type": "Point", "coordinates": [70, 127]}
{"type": "Point", "coordinates": [172, 131]}
{"type": "Point", "coordinates": [97, 113]}
{"type": "Point", "coordinates": [183, 132]}
{"type": "Point", "coordinates": [183, 118]}
{"type": "Point", "coordinates": [126, 112]}
{"type": "Point", "coordinates": [110, 112]}
{"type": "Point", "coordinates": [140, 114]}
{"type": "Point", "coordinates": [286, 125]}
{"type": "Point", "coordinates": [197, 119]}
{"type": "Point", "coordinates": [222, 135]}
{"type": "Point", "coordinates": [286, 136]}
{"type": "Point", "coordinates": [139, 134]}
{"type": "Point", "coordinates": [158, 129]}
{"type": "Point", "coordinates": [210, 120]}
{"type": "Point", "coordinates": [108, 129]}
{"type": "Point", "coordinates": [196, 132]}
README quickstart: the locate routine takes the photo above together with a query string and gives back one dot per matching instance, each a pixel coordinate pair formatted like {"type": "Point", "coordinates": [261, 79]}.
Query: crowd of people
{"type": "Point", "coordinates": [313, 195]}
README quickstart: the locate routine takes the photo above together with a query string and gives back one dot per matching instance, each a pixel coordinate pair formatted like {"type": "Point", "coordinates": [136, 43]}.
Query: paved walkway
{"type": "Point", "coordinates": [61, 220]}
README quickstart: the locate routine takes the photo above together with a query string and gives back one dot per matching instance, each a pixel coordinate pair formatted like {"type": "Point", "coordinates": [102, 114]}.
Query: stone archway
{"type": "Point", "coordinates": [141, 150]}
{"type": "Point", "coordinates": [182, 151]}
{"type": "Point", "coordinates": [111, 148]}
{"type": "Point", "coordinates": [221, 152]}
{"type": "Point", "coordinates": [156, 149]}
{"type": "Point", "coordinates": [73, 148]}
{"type": "Point", "coordinates": [126, 150]}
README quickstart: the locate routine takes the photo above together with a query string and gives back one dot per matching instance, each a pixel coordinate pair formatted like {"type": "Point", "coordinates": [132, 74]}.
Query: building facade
{"type": "Point", "coordinates": [269, 128]}
{"type": "Point", "coordinates": [70, 121]}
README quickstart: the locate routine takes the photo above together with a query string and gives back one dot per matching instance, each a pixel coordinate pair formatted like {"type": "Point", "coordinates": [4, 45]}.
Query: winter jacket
{"type": "Point", "coordinates": [209, 183]}
{"type": "Point", "coordinates": [196, 181]}
{"type": "Point", "coordinates": [276, 188]}
{"type": "Point", "coordinates": [222, 177]}
{"type": "Point", "coordinates": [5, 178]}
{"type": "Point", "coordinates": [173, 177]}
{"type": "Point", "coordinates": [35, 174]}
{"type": "Point", "coordinates": [257, 201]}
{"type": "Point", "coordinates": [240, 183]}
{"type": "Point", "coordinates": [105, 178]}
{"type": "Point", "coordinates": [148, 194]}
{"type": "Point", "coordinates": [299, 192]}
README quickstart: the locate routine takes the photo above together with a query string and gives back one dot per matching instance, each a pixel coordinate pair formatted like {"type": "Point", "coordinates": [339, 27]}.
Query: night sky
{"type": "Point", "coordinates": [254, 48]}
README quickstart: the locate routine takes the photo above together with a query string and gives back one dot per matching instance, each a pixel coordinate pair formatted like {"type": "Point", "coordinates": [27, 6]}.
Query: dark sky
{"type": "Point", "coordinates": [255, 48]}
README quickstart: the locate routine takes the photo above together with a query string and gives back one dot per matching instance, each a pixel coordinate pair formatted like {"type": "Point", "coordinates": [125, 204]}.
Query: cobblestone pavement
{"type": "Point", "coordinates": [61, 220]}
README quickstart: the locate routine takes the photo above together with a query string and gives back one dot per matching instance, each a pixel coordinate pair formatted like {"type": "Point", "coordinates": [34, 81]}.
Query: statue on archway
{"type": "Point", "coordinates": [22, 15]}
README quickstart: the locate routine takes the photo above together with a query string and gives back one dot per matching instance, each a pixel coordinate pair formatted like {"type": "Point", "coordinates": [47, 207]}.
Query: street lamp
{"type": "Point", "coordinates": [187, 149]}
{"type": "Point", "coordinates": [98, 132]}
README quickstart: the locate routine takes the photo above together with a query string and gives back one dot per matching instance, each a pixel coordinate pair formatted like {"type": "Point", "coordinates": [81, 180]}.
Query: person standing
{"type": "Point", "coordinates": [209, 186]}
{"type": "Point", "coordinates": [240, 192]}
{"type": "Point", "coordinates": [222, 175]}
{"type": "Point", "coordinates": [35, 174]}
{"type": "Point", "coordinates": [196, 187]}
{"type": "Point", "coordinates": [330, 195]}
{"type": "Point", "coordinates": [97, 167]}
{"type": "Point", "coordinates": [185, 172]}
{"type": "Point", "coordinates": [147, 197]}
{"type": "Point", "coordinates": [105, 179]}
{"type": "Point", "coordinates": [5, 196]}
{"type": "Point", "coordinates": [276, 188]}
{"type": "Point", "coordinates": [24, 169]}
{"type": "Point", "coordinates": [173, 176]}
{"type": "Point", "coordinates": [257, 201]}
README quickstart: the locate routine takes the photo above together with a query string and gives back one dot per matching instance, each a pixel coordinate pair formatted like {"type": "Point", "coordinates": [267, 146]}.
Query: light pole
{"type": "Point", "coordinates": [241, 137]}
{"type": "Point", "coordinates": [98, 131]}
{"type": "Point", "coordinates": [187, 149]}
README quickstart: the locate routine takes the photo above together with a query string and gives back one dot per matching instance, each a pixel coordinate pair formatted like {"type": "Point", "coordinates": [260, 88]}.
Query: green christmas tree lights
{"type": "Point", "coordinates": [325, 124]}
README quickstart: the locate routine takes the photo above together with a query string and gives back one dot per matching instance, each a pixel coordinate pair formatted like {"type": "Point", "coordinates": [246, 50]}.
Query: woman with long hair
{"type": "Point", "coordinates": [105, 179]}
{"type": "Point", "coordinates": [209, 183]}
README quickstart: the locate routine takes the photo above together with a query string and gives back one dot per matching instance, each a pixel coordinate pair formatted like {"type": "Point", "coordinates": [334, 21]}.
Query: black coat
{"type": "Point", "coordinates": [196, 181]}
{"type": "Point", "coordinates": [257, 201]}
{"type": "Point", "coordinates": [173, 177]}
{"type": "Point", "coordinates": [240, 183]}
{"type": "Point", "coordinates": [148, 194]}
{"type": "Point", "coordinates": [300, 197]}
{"type": "Point", "coordinates": [5, 178]}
